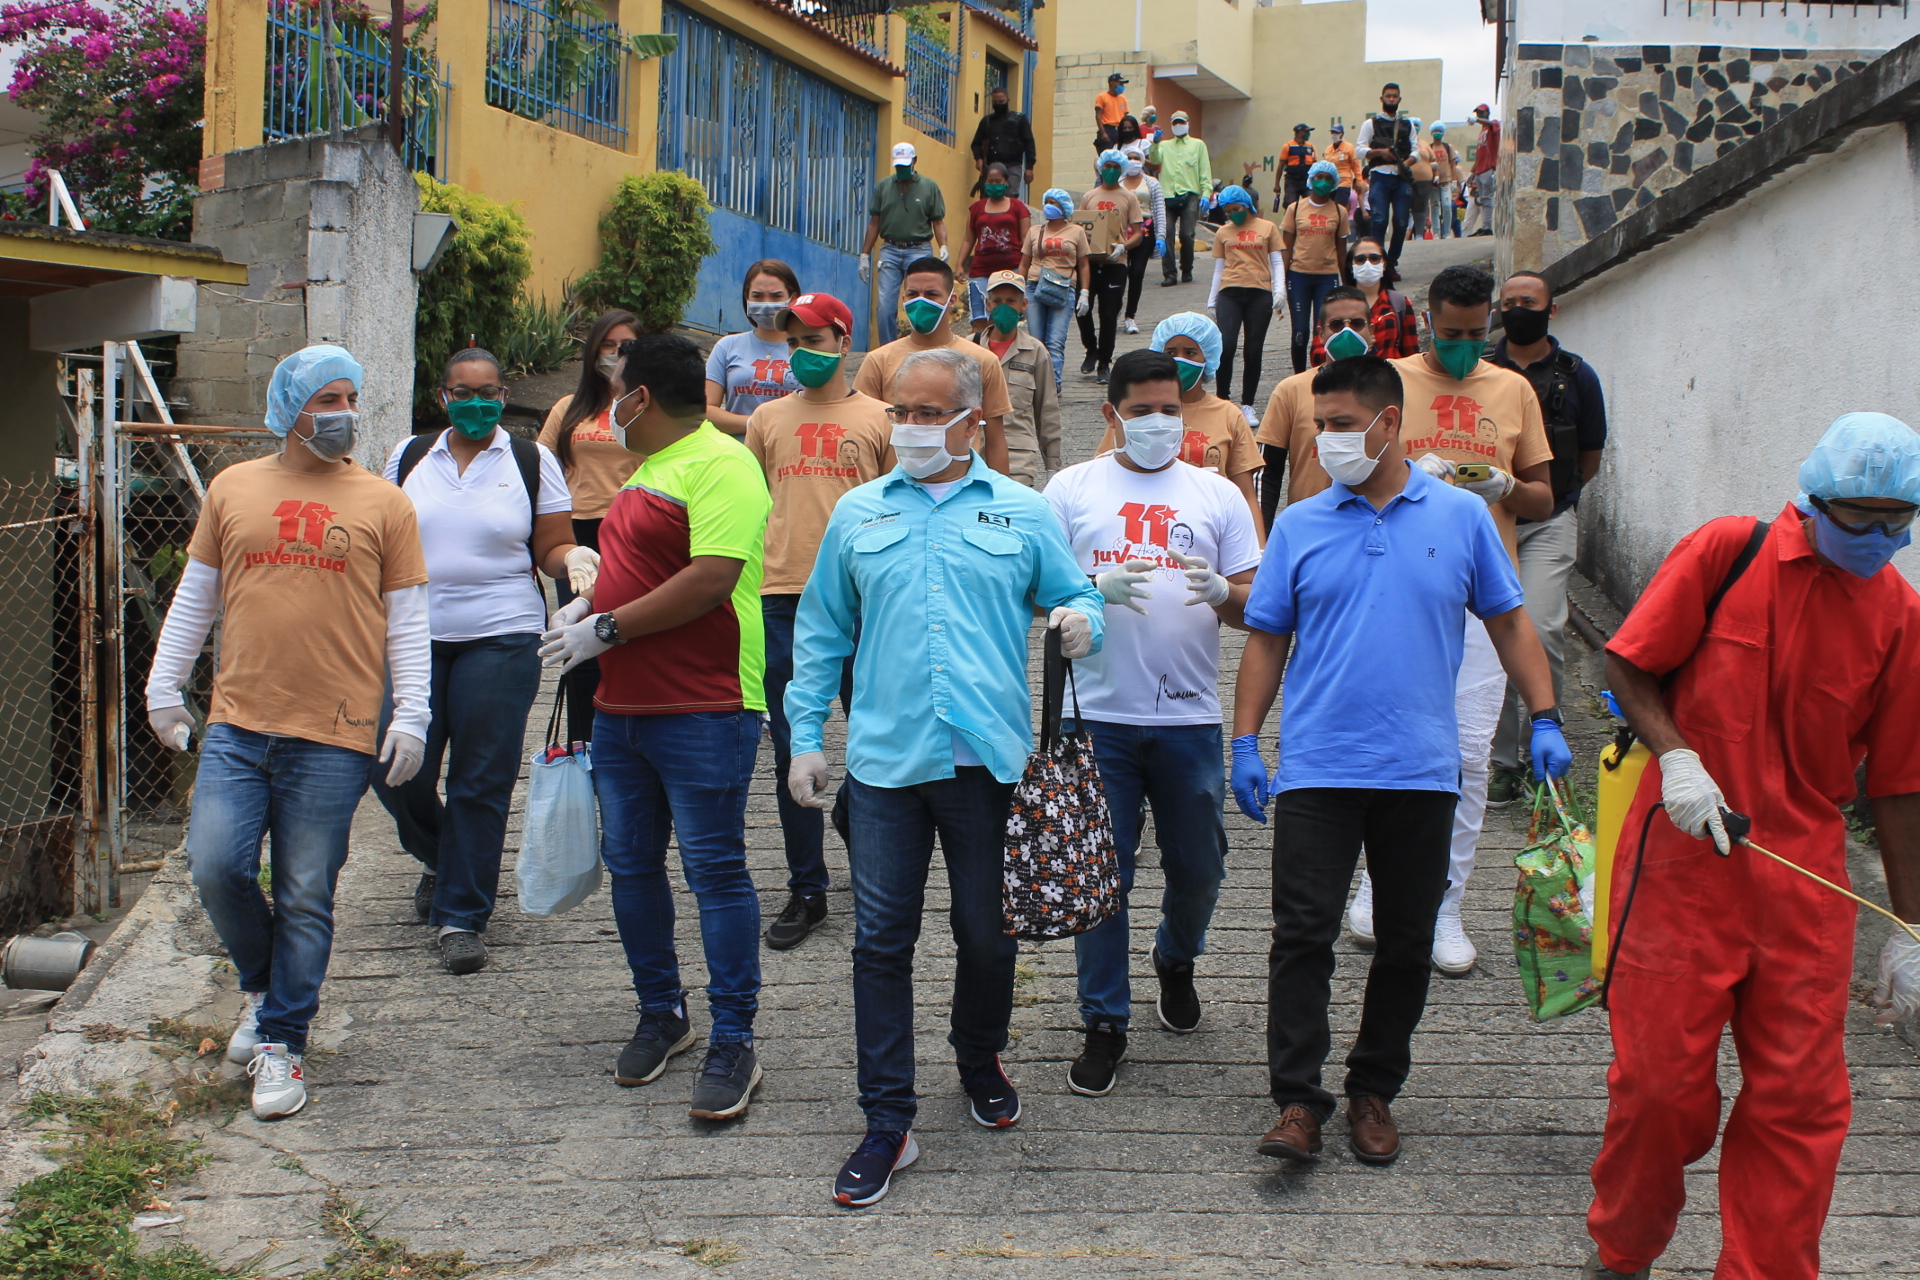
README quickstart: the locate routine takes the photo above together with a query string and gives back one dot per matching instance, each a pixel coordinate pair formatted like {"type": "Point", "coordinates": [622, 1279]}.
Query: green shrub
{"type": "Point", "coordinates": [471, 293]}
{"type": "Point", "coordinates": [652, 239]}
{"type": "Point", "coordinates": [540, 339]}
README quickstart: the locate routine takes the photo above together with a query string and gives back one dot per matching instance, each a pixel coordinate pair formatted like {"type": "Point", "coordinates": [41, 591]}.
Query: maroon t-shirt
{"type": "Point", "coordinates": [996, 237]}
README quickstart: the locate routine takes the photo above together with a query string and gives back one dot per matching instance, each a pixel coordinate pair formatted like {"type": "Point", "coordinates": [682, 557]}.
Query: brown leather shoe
{"type": "Point", "coordinates": [1372, 1132]}
{"type": "Point", "coordinates": [1296, 1137]}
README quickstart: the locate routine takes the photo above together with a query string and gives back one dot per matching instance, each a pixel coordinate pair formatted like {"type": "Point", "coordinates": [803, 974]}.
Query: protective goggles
{"type": "Point", "coordinates": [1860, 521]}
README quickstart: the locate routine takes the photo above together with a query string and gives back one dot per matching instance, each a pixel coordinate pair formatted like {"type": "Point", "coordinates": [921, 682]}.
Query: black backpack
{"type": "Point", "coordinates": [526, 456]}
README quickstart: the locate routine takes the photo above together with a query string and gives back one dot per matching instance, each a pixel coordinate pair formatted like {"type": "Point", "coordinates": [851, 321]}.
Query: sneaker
{"type": "Point", "coordinates": [993, 1100]}
{"type": "Point", "coordinates": [462, 951]}
{"type": "Point", "coordinates": [868, 1172]}
{"type": "Point", "coordinates": [1360, 915]}
{"type": "Point", "coordinates": [1504, 787]}
{"type": "Point", "coordinates": [1086, 366]}
{"type": "Point", "coordinates": [1168, 282]}
{"type": "Point", "coordinates": [656, 1039]}
{"type": "Point", "coordinates": [1186, 277]}
{"type": "Point", "coordinates": [1104, 372]}
{"type": "Point", "coordinates": [1178, 1004]}
{"type": "Point", "coordinates": [246, 1037]}
{"type": "Point", "coordinates": [801, 917]}
{"type": "Point", "coordinates": [423, 897]}
{"type": "Point", "coordinates": [278, 1087]}
{"type": "Point", "coordinates": [1252, 416]}
{"type": "Point", "coordinates": [1132, 326]}
{"type": "Point", "coordinates": [1453, 952]}
{"type": "Point", "coordinates": [726, 1083]}
{"type": "Point", "coordinates": [1094, 1071]}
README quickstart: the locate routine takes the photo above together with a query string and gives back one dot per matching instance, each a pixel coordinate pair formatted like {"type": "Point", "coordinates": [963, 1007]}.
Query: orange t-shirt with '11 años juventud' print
{"type": "Point", "coordinates": [812, 453]}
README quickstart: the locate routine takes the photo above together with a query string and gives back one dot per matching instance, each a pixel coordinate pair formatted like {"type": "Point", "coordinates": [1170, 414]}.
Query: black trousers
{"type": "Point", "coordinates": [1137, 259]}
{"type": "Point", "coordinates": [584, 680]}
{"type": "Point", "coordinates": [1109, 291]}
{"type": "Point", "coordinates": [1183, 216]}
{"type": "Point", "coordinates": [1272, 481]}
{"type": "Point", "coordinates": [1239, 308]}
{"type": "Point", "coordinates": [1317, 837]}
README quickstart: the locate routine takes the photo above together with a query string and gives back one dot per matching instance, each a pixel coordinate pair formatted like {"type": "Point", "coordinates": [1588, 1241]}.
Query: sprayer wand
{"type": "Point", "coordinates": [1739, 825]}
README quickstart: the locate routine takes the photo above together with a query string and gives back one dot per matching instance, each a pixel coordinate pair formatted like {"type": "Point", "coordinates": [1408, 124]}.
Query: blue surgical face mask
{"type": "Point", "coordinates": [1860, 554]}
{"type": "Point", "coordinates": [1053, 211]}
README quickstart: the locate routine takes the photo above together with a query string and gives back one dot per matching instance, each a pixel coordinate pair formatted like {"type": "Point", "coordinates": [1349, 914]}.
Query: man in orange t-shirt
{"type": "Point", "coordinates": [1109, 109]}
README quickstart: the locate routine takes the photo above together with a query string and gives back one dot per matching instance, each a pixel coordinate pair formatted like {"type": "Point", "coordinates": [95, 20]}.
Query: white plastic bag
{"type": "Point", "coordinates": [559, 865]}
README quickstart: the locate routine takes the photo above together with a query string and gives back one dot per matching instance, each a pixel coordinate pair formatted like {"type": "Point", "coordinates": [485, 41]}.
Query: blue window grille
{"type": "Point", "coordinates": [1017, 14]}
{"type": "Point", "coordinates": [297, 97]}
{"type": "Point", "coordinates": [545, 66]}
{"type": "Point", "coordinates": [933, 77]}
{"type": "Point", "coordinates": [766, 139]}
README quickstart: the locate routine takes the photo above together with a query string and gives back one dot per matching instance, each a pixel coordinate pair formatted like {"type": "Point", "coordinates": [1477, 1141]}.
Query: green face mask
{"type": "Point", "coordinates": [812, 369]}
{"type": "Point", "coordinates": [903, 171]}
{"type": "Point", "coordinates": [994, 190]}
{"type": "Point", "coordinates": [924, 314]}
{"type": "Point", "coordinates": [1322, 186]}
{"type": "Point", "coordinates": [1346, 344]}
{"type": "Point", "coordinates": [1236, 216]}
{"type": "Point", "coordinates": [1109, 175]}
{"type": "Point", "coordinates": [1190, 372]}
{"type": "Point", "coordinates": [1457, 356]}
{"type": "Point", "coordinates": [1004, 318]}
{"type": "Point", "coordinates": [475, 418]}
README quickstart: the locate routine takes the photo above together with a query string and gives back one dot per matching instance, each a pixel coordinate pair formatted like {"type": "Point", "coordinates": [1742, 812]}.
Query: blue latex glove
{"type": "Point", "coordinates": [1551, 755]}
{"type": "Point", "coordinates": [1159, 248]}
{"type": "Point", "coordinates": [1250, 778]}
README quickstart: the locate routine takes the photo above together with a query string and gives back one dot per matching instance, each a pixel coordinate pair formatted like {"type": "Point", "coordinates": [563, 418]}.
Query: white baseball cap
{"type": "Point", "coordinates": [903, 153]}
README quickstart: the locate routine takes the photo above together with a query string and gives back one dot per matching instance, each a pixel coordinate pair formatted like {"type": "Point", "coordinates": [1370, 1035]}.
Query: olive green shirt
{"type": "Point", "coordinates": [907, 210]}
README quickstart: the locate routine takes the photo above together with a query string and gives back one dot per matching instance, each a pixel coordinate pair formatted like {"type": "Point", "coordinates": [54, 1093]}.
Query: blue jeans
{"type": "Point", "coordinates": [1304, 295]}
{"type": "Point", "coordinates": [890, 268]}
{"type": "Point", "coordinates": [801, 827]}
{"type": "Point", "coordinates": [1177, 769]}
{"type": "Point", "coordinates": [1391, 194]}
{"type": "Point", "coordinates": [889, 855]}
{"type": "Point", "coordinates": [685, 775]}
{"type": "Point", "coordinates": [481, 692]}
{"type": "Point", "coordinates": [1050, 324]}
{"type": "Point", "coordinates": [303, 794]}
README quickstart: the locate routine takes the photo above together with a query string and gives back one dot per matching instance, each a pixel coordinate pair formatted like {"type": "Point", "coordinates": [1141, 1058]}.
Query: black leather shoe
{"type": "Point", "coordinates": [801, 917]}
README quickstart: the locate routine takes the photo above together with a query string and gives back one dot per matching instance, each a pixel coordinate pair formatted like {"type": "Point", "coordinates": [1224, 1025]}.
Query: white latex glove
{"type": "Point", "coordinates": [1692, 798]}
{"type": "Point", "coordinates": [406, 752]}
{"type": "Point", "coordinates": [570, 612]}
{"type": "Point", "coordinates": [866, 268]}
{"type": "Point", "coordinates": [1085, 304]}
{"type": "Point", "coordinates": [1898, 993]}
{"type": "Point", "coordinates": [568, 646]}
{"type": "Point", "coordinates": [1118, 253]}
{"type": "Point", "coordinates": [1496, 486]}
{"type": "Point", "coordinates": [1076, 633]}
{"type": "Point", "coordinates": [172, 725]}
{"type": "Point", "coordinates": [1122, 585]}
{"type": "Point", "coordinates": [583, 570]}
{"type": "Point", "coordinates": [807, 780]}
{"type": "Point", "coordinates": [1203, 580]}
{"type": "Point", "coordinates": [1434, 465]}
{"type": "Point", "coordinates": [943, 253]}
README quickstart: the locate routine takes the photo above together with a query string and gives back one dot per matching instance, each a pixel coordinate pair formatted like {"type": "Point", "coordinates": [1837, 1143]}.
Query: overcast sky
{"type": "Point", "coordinates": [1449, 29]}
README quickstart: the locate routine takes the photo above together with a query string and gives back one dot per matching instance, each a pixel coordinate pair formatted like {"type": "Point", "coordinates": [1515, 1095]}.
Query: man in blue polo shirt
{"type": "Point", "coordinates": [1370, 583]}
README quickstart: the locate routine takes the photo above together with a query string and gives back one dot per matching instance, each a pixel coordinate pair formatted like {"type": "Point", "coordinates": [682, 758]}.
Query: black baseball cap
{"type": "Point", "coordinates": [1116, 76]}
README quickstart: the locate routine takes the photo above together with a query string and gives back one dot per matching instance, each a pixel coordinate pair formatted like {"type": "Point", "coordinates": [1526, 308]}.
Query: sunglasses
{"type": "Point", "coordinates": [1861, 521]}
{"type": "Point", "coordinates": [1367, 257]}
{"type": "Point", "coordinates": [1335, 326]}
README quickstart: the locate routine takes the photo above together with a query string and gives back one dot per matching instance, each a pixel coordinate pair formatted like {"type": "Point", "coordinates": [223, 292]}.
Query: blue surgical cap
{"type": "Point", "coordinates": [1864, 455]}
{"type": "Point", "coordinates": [1323, 166]}
{"type": "Point", "coordinates": [296, 378]}
{"type": "Point", "coordinates": [1193, 325]}
{"type": "Point", "coordinates": [1112, 155]}
{"type": "Point", "coordinates": [1236, 195]}
{"type": "Point", "coordinates": [1058, 196]}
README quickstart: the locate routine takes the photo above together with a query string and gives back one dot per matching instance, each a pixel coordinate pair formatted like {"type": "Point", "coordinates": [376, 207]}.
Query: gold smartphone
{"type": "Point", "coordinates": [1472, 471]}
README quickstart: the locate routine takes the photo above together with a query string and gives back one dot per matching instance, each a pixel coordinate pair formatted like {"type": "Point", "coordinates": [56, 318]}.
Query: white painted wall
{"type": "Point", "coordinates": [1791, 24]}
{"type": "Point", "coordinates": [1727, 351]}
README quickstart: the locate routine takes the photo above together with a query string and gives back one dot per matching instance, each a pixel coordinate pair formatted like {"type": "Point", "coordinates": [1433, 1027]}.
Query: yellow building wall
{"type": "Point", "coordinates": [562, 183]}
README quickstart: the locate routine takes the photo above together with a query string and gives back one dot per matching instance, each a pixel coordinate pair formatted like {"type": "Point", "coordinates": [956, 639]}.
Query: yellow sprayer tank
{"type": "Point", "coordinates": [1619, 780]}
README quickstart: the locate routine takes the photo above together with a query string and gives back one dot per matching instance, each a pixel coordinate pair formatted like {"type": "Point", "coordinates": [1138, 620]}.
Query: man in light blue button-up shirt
{"type": "Point", "coordinates": [942, 574]}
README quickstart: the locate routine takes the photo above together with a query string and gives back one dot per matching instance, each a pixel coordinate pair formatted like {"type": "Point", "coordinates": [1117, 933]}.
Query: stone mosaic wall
{"type": "Point", "coordinates": [1596, 131]}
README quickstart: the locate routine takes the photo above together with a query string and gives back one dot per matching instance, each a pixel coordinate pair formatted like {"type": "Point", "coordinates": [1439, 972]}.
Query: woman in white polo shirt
{"type": "Point", "coordinates": [491, 508]}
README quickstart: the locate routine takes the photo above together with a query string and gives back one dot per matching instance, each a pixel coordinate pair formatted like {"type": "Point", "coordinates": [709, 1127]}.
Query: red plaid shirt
{"type": "Point", "coordinates": [1394, 334]}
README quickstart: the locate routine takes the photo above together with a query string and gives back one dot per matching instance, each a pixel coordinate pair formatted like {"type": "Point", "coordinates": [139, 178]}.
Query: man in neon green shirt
{"type": "Point", "coordinates": [1186, 179]}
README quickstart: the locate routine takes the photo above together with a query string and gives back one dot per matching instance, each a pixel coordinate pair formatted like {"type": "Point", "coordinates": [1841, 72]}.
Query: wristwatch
{"type": "Point", "coordinates": [1551, 713]}
{"type": "Point", "coordinates": [606, 629]}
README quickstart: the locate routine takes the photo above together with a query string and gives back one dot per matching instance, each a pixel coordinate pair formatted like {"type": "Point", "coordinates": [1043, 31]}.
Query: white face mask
{"type": "Point", "coordinates": [1133, 168]}
{"type": "Point", "coordinates": [1180, 131]}
{"type": "Point", "coordinates": [922, 449]}
{"type": "Point", "coordinates": [1153, 439]}
{"type": "Point", "coordinates": [1369, 272]}
{"type": "Point", "coordinates": [761, 315]}
{"type": "Point", "coordinates": [1344, 454]}
{"type": "Point", "coordinates": [609, 365]}
{"type": "Point", "coordinates": [613, 419]}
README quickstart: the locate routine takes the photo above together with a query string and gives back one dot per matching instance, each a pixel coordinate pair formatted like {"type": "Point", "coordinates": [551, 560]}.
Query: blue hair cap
{"type": "Point", "coordinates": [296, 378]}
{"type": "Point", "coordinates": [1864, 455]}
{"type": "Point", "coordinates": [1324, 167]}
{"type": "Point", "coordinates": [1190, 324]}
{"type": "Point", "coordinates": [1058, 196]}
{"type": "Point", "coordinates": [1236, 195]}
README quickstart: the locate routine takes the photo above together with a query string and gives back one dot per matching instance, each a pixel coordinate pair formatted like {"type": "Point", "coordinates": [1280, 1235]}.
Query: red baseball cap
{"type": "Point", "coordinates": [821, 310]}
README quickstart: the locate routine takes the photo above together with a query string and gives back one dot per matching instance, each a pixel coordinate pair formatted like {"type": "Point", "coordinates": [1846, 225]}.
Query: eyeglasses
{"type": "Point", "coordinates": [1860, 521]}
{"type": "Point", "coordinates": [1335, 326]}
{"type": "Point", "coordinates": [1367, 257]}
{"type": "Point", "coordinates": [460, 395]}
{"type": "Point", "coordinates": [900, 415]}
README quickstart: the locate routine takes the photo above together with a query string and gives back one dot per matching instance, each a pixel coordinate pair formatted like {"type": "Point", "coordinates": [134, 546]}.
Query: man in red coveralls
{"type": "Point", "coordinates": [1810, 663]}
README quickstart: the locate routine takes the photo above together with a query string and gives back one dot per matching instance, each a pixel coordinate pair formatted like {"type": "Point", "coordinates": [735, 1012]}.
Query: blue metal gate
{"type": "Point", "coordinates": [786, 158]}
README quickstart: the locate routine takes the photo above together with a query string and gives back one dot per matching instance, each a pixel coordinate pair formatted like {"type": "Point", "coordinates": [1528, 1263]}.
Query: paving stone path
{"type": "Point", "coordinates": [480, 1113]}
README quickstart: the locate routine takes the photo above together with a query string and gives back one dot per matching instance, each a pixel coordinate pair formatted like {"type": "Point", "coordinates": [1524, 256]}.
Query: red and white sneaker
{"type": "Point", "coordinates": [279, 1089]}
{"type": "Point", "coordinates": [246, 1036]}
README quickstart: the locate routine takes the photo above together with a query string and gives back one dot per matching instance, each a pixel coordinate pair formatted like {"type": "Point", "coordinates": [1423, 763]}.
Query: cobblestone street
{"type": "Point", "coordinates": [480, 1113]}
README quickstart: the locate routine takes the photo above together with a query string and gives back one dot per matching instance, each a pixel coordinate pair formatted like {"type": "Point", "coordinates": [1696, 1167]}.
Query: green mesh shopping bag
{"type": "Point", "coordinates": [1553, 911]}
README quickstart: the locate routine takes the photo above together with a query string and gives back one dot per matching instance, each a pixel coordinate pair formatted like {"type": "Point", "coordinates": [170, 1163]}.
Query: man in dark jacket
{"type": "Point", "coordinates": [1006, 135]}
